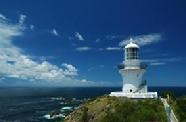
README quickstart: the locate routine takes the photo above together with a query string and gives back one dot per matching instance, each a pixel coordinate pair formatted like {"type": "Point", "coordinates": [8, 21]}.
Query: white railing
{"type": "Point", "coordinates": [134, 95]}
{"type": "Point", "coordinates": [170, 113]}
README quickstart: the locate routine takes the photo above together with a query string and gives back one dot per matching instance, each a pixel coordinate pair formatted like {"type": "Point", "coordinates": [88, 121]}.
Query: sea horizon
{"type": "Point", "coordinates": [77, 86]}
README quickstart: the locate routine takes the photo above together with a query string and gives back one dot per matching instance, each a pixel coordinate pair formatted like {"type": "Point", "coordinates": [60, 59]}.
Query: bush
{"type": "Point", "coordinates": [133, 111]}
{"type": "Point", "coordinates": [170, 93]}
{"type": "Point", "coordinates": [84, 114]}
{"type": "Point", "coordinates": [181, 108]}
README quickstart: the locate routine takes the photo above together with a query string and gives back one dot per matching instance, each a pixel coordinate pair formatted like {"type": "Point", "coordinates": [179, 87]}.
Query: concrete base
{"type": "Point", "coordinates": [135, 95]}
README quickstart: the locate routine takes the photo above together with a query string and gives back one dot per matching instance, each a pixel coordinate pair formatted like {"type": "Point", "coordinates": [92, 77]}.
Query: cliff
{"type": "Point", "coordinates": [114, 109]}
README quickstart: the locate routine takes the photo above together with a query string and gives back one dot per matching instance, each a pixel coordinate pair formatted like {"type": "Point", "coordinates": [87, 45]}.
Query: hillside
{"type": "Point", "coordinates": [113, 109]}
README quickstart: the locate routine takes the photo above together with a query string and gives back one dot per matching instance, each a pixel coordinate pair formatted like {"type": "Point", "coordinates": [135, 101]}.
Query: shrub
{"type": "Point", "coordinates": [84, 114]}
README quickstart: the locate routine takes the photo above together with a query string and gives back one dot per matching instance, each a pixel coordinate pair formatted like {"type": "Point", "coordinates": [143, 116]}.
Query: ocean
{"type": "Point", "coordinates": [27, 104]}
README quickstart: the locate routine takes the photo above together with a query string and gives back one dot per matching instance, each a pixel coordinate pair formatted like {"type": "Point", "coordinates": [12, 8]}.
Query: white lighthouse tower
{"type": "Point", "coordinates": [132, 71]}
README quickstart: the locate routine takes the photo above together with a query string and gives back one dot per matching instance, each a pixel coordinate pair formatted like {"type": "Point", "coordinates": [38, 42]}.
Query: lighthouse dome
{"type": "Point", "coordinates": [131, 45]}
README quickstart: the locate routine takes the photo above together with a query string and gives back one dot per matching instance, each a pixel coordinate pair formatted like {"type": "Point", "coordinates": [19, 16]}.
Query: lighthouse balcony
{"type": "Point", "coordinates": [124, 66]}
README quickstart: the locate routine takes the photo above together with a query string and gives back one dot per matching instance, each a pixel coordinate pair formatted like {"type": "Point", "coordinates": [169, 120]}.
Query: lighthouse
{"type": "Point", "coordinates": [132, 71]}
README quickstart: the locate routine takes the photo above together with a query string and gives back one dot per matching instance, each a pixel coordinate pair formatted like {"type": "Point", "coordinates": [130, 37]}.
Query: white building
{"type": "Point", "coordinates": [132, 71]}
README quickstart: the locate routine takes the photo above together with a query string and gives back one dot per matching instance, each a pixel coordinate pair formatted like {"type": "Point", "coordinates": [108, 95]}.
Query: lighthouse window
{"type": "Point", "coordinates": [132, 53]}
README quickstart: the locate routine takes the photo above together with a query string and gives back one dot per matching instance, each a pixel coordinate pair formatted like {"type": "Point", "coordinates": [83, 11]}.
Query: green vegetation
{"type": "Point", "coordinates": [181, 108]}
{"type": "Point", "coordinates": [84, 117]}
{"type": "Point", "coordinates": [114, 109]}
{"type": "Point", "coordinates": [172, 96]}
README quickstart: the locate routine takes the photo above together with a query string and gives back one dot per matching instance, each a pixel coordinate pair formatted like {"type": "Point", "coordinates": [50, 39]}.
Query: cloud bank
{"type": "Point", "coordinates": [14, 63]}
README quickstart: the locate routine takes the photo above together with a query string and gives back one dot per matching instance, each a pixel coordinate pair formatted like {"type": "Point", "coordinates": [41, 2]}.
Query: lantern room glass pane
{"type": "Point", "coordinates": [132, 53]}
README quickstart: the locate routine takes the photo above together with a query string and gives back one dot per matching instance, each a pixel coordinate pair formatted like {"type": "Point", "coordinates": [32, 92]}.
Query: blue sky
{"type": "Point", "coordinates": [77, 43]}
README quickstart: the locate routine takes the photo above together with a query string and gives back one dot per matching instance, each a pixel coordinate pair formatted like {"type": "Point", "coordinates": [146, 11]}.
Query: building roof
{"type": "Point", "coordinates": [131, 45]}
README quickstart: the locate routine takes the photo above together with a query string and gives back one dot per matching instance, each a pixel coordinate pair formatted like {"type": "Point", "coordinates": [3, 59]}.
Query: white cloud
{"type": "Point", "coordinates": [69, 69]}
{"type": "Point", "coordinates": [163, 61]}
{"type": "Point", "coordinates": [157, 63]}
{"type": "Point", "coordinates": [54, 31]}
{"type": "Point", "coordinates": [84, 80]}
{"type": "Point", "coordinates": [15, 64]}
{"type": "Point", "coordinates": [113, 48]}
{"type": "Point", "coordinates": [173, 59]}
{"type": "Point", "coordinates": [22, 18]}
{"type": "Point", "coordinates": [83, 48]}
{"type": "Point", "coordinates": [32, 27]}
{"type": "Point", "coordinates": [3, 17]}
{"type": "Point", "coordinates": [143, 40]}
{"type": "Point", "coordinates": [79, 36]}
{"type": "Point", "coordinates": [42, 58]}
